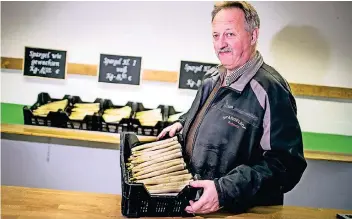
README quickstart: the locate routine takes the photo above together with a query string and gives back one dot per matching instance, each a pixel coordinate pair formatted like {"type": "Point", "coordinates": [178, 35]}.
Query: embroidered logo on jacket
{"type": "Point", "coordinates": [233, 121]}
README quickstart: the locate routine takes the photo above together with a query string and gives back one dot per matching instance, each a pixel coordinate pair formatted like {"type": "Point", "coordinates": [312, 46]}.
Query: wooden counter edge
{"type": "Point", "coordinates": [330, 156]}
{"type": "Point", "coordinates": [63, 133]}
{"type": "Point", "coordinates": [95, 136]}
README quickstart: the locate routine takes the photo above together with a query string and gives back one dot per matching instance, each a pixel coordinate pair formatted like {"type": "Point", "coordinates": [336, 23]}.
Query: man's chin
{"type": "Point", "coordinates": [226, 64]}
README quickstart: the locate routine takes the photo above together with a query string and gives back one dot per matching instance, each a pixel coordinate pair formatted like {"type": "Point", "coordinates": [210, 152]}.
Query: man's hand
{"type": "Point", "coordinates": [172, 129]}
{"type": "Point", "coordinates": [208, 202]}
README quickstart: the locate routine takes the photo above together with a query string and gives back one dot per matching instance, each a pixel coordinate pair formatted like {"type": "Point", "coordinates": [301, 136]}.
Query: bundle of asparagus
{"type": "Point", "coordinates": [80, 110]}
{"type": "Point", "coordinates": [159, 166]}
{"type": "Point", "coordinates": [149, 117]}
{"type": "Point", "coordinates": [54, 106]}
{"type": "Point", "coordinates": [115, 115]}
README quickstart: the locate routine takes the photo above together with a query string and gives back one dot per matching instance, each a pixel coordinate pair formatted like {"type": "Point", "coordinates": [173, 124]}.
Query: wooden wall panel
{"type": "Point", "coordinates": [164, 76]}
{"type": "Point", "coordinates": [11, 63]}
{"type": "Point", "coordinates": [82, 69]}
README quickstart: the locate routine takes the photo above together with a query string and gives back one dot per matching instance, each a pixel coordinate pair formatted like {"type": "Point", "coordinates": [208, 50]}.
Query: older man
{"type": "Point", "coordinates": [242, 136]}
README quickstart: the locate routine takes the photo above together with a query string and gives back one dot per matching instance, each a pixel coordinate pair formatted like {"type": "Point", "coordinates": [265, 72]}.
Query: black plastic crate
{"type": "Point", "coordinates": [53, 119]}
{"type": "Point", "coordinates": [89, 122]}
{"type": "Point", "coordinates": [146, 130]}
{"type": "Point", "coordinates": [137, 201]}
{"type": "Point", "coordinates": [115, 127]}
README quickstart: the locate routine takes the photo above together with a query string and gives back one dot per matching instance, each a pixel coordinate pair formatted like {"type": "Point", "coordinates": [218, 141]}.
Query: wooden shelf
{"type": "Point", "coordinates": [172, 77]}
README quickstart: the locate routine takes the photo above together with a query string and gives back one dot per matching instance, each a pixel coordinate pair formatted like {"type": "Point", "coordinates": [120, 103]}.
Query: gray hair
{"type": "Point", "coordinates": [252, 20]}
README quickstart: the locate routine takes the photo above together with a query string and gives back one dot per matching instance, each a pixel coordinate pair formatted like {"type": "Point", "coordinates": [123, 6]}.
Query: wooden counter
{"type": "Point", "coordinates": [31, 203]}
{"type": "Point", "coordinates": [105, 137]}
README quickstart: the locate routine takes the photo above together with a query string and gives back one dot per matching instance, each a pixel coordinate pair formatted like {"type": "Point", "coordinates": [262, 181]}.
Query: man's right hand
{"type": "Point", "coordinates": [172, 129]}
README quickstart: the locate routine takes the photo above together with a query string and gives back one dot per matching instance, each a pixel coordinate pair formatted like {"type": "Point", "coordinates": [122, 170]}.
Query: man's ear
{"type": "Point", "coordinates": [255, 34]}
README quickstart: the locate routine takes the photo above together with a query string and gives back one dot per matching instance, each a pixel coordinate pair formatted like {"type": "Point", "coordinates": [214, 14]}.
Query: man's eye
{"type": "Point", "coordinates": [230, 34]}
{"type": "Point", "coordinates": [215, 35]}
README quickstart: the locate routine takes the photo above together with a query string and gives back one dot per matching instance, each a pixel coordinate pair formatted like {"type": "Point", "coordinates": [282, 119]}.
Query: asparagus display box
{"type": "Point", "coordinates": [88, 122]}
{"type": "Point", "coordinates": [122, 125]}
{"type": "Point", "coordinates": [137, 201]}
{"type": "Point", "coordinates": [47, 117]}
{"type": "Point", "coordinates": [141, 127]}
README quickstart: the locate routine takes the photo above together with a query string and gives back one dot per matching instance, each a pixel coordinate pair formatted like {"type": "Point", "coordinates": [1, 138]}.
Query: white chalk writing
{"type": "Point", "coordinates": [40, 70]}
{"type": "Point", "coordinates": [42, 62]}
{"type": "Point", "coordinates": [122, 70]}
{"type": "Point", "coordinates": [192, 83]}
{"type": "Point", "coordinates": [113, 62]}
{"type": "Point", "coordinates": [120, 61]}
{"type": "Point", "coordinates": [118, 77]}
{"type": "Point", "coordinates": [40, 55]}
{"type": "Point", "coordinates": [197, 68]}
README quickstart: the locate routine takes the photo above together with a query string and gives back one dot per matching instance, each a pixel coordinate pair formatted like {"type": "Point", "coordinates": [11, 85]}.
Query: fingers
{"type": "Point", "coordinates": [171, 130]}
{"type": "Point", "coordinates": [208, 202]}
{"type": "Point", "coordinates": [189, 208]}
{"type": "Point", "coordinates": [199, 184]}
{"type": "Point", "coordinates": [162, 134]}
{"type": "Point", "coordinates": [196, 206]}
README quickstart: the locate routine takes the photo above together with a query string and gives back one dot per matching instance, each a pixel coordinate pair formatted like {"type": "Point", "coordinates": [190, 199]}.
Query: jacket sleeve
{"type": "Point", "coordinates": [282, 162]}
{"type": "Point", "coordinates": [182, 119]}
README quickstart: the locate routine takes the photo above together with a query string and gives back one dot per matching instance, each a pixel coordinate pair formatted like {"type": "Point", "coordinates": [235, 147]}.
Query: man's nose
{"type": "Point", "coordinates": [222, 42]}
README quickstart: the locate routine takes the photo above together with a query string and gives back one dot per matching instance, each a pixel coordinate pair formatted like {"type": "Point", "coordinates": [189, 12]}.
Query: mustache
{"type": "Point", "coordinates": [226, 49]}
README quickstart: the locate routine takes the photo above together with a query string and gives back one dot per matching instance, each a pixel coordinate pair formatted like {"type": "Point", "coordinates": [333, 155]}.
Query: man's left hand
{"type": "Point", "coordinates": [208, 202]}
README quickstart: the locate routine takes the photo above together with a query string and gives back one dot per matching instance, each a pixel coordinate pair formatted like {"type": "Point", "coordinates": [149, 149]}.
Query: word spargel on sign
{"type": "Point", "coordinates": [119, 69]}
{"type": "Point", "coordinates": [48, 63]}
{"type": "Point", "coordinates": [192, 73]}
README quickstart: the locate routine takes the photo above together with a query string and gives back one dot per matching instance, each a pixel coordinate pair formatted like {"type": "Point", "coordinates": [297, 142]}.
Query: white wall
{"type": "Point", "coordinates": [308, 42]}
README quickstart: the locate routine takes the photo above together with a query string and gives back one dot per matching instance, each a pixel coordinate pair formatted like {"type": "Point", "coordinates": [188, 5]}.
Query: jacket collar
{"type": "Point", "coordinates": [249, 69]}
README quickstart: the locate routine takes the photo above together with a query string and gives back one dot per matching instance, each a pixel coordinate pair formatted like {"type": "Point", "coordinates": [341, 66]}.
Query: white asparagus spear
{"type": "Point", "coordinates": [160, 159]}
{"type": "Point", "coordinates": [149, 145]}
{"type": "Point", "coordinates": [147, 156]}
{"type": "Point", "coordinates": [169, 179]}
{"type": "Point", "coordinates": [153, 157]}
{"type": "Point", "coordinates": [166, 190]}
{"type": "Point", "coordinates": [154, 148]}
{"type": "Point", "coordinates": [177, 173]}
{"type": "Point", "coordinates": [159, 172]}
{"type": "Point", "coordinates": [148, 153]}
{"type": "Point", "coordinates": [158, 166]}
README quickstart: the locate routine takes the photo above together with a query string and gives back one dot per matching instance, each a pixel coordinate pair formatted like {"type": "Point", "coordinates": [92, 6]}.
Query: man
{"type": "Point", "coordinates": [242, 136]}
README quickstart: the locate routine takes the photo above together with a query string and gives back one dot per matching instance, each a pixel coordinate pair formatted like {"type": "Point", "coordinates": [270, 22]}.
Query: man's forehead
{"type": "Point", "coordinates": [234, 21]}
{"type": "Point", "coordinates": [225, 24]}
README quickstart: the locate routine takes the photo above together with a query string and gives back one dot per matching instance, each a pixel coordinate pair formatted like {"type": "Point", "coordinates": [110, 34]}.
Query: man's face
{"type": "Point", "coordinates": [232, 43]}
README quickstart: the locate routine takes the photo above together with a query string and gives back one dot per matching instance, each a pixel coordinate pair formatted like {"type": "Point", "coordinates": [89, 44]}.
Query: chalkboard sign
{"type": "Point", "coordinates": [47, 63]}
{"type": "Point", "coordinates": [192, 73]}
{"type": "Point", "coordinates": [120, 69]}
